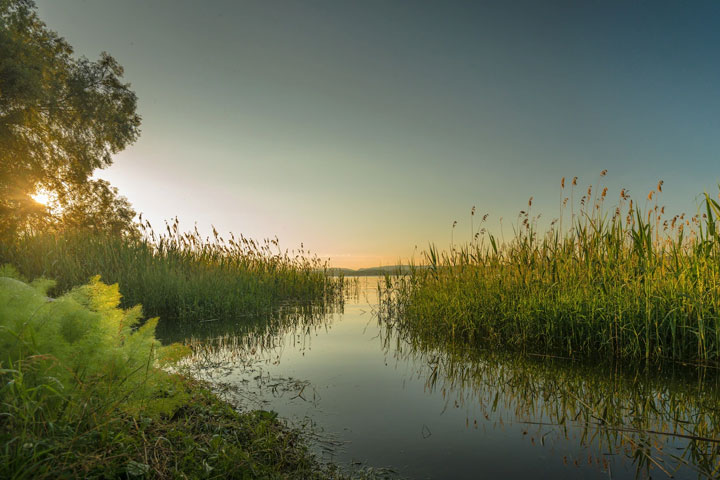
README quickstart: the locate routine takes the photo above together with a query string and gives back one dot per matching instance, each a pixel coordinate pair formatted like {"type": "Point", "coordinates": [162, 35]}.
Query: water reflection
{"type": "Point", "coordinates": [662, 420]}
{"type": "Point", "coordinates": [438, 411]}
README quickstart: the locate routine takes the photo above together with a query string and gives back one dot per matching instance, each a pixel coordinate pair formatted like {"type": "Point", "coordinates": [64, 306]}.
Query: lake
{"type": "Point", "coordinates": [369, 395]}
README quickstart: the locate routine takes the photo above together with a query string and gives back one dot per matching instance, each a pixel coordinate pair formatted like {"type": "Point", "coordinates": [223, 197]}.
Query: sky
{"type": "Point", "coordinates": [364, 129]}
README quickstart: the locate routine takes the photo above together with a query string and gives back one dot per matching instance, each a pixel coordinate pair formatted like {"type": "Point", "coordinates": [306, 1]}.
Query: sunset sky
{"type": "Point", "coordinates": [363, 129]}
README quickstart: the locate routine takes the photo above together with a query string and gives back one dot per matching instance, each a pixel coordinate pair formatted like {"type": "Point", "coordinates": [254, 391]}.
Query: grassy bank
{"type": "Point", "coordinates": [617, 281]}
{"type": "Point", "coordinates": [178, 275]}
{"type": "Point", "coordinates": [83, 395]}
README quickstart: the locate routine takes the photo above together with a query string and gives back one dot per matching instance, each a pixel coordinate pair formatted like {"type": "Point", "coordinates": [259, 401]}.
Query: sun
{"type": "Point", "coordinates": [41, 198]}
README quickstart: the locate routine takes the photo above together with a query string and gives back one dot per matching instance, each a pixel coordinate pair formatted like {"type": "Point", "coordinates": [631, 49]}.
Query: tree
{"type": "Point", "coordinates": [60, 117]}
{"type": "Point", "coordinates": [96, 206]}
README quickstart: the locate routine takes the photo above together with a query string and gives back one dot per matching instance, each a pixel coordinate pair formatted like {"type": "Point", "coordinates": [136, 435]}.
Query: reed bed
{"type": "Point", "coordinates": [179, 275]}
{"type": "Point", "coordinates": [622, 282]}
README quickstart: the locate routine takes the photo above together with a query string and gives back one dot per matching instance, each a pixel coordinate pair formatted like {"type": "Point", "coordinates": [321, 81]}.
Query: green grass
{"type": "Point", "coordinates": [83, 395]}
{"type": "Point", "coordinates": [616, 282]}
{"type": "Point", "coordinates": [178, 275]}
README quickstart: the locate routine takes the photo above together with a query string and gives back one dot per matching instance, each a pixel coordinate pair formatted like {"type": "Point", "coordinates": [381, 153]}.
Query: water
{"type": "Point", "coordinates": [367, 394]}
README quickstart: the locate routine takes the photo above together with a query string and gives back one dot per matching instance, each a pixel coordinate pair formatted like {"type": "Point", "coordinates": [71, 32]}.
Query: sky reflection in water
{"type": "Point", "coordinates": [373, 395]}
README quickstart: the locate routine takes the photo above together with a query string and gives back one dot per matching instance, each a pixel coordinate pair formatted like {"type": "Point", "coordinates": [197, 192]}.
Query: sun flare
{"type": "Point", "coordinates": [42, 198]}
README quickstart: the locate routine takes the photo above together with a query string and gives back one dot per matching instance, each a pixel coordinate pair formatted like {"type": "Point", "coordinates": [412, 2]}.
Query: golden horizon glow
{"type": "Point", "coordinates": [362, 147]}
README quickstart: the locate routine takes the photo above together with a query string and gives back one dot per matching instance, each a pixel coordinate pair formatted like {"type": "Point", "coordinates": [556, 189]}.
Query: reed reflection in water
{"type": "Point", "coordinates": [368, 391]}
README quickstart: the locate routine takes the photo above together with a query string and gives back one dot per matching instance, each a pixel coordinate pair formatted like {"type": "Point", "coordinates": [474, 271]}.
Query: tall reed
{"type": "Point", "coordinates": [178, 275]}
{"type": "Point", "coordinates": [620, 282]}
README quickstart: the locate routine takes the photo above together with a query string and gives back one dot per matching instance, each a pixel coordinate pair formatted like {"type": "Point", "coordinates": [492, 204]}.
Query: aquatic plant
{"type": "Point", "coordinates": [620, 282]}
{"type": "Point", "coordinates": [179, 275]}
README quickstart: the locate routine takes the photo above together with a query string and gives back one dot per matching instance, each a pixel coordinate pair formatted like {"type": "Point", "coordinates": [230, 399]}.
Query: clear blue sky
{"type": "Point", "coordinates": [365, 128]}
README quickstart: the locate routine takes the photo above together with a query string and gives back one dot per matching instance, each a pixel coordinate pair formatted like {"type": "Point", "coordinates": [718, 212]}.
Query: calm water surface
{"type": "Point", "coordinates": [368, 394]}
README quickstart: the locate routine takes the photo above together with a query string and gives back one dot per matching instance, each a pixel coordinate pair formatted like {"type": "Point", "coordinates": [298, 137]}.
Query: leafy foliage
{"type": "Point", "coordinates": [95, 207]}
{"type": "Point", "coordinates": [60, 117]}
{"type": "Point", "coordinates": [82, 396]}
{"type": "Point", "coordinates": [83, 345]}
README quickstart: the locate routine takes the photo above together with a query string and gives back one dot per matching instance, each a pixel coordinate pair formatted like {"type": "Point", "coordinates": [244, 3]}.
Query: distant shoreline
{"type": "Point", "coordinates": [373, 271]}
